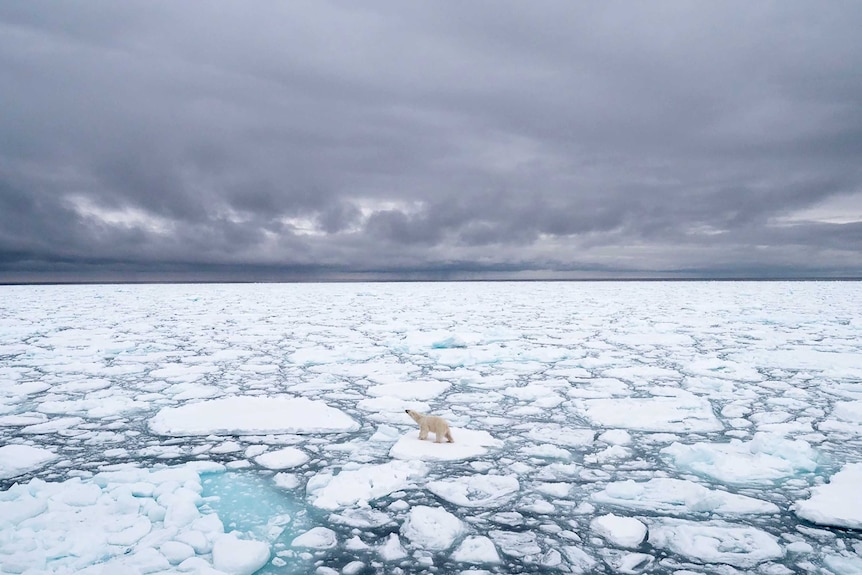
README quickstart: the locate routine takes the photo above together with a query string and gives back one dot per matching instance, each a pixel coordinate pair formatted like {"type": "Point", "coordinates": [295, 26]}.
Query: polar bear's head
{"type": "Point", "coordinates": [414, 414]}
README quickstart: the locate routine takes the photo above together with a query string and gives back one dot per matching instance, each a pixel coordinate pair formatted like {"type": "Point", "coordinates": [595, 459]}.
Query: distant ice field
{"type": "Point", "coordinates": [600, 427]}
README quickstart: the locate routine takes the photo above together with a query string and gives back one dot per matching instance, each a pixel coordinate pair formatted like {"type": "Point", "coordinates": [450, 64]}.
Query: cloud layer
{"type": "Point", "coordinates": [164, 140]}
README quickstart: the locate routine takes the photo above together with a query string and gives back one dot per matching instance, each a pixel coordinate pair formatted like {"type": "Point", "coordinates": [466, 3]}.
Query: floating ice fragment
{"type": "Point", "coordinates": [763, 460]}
{"type": "Point", "coordinates": [392, 549]}
{"type": "Point", "coordinates": [476, 490]}
{"type": "Point", "coordinates": [846, 417]}
{"type": "Point", "coordinates": [392, 405]}
{"type": "Point", "coordinates": [353, 568]}
{"type": "Point", "coordinates": [410, 389]}
{"type": "Point", "coordinates": [284, 458]}
{"type": "Point", "coordinates": [625, 532]}
{"type": "Point", "coordinates": [616, 437]}
{"type": "Point", "coordinates": [468, 443]}
{"type": "Point", "coordinates": [361, 485]}
{"type": "Point", "coordinates": [316, 538]}
{"type": "Point", "coordinates": [286, 480]}
{"type": "Point", "coordinates": [678, 497]}
{"type": "Point", "coordinates": [546, 451]}
{"type": "Point", "coordinates": [715, 542]}
{"type": "Point", "coordinates": [453, 341]}
{"type": "Point", "coordinates": [685, 412]}
{"type": "Point", "coordinates": [476, 550]}
{"type": "Point", "coordinates": [365, 518]}
{"type": "Point", "coordinates": [629, 563]}
{"type": "Point", "coordinates": [52, 426]}
{"type": "Point", "coordinates": [176, 552]}
{"type": "Point", "coordinates": [251, 415]}
{"type": "Point", "coordinates": [579, 560]}
{"type": "Point", "coordinates": [554, 489]}
{"type": "Point", "coordinates": [238, 556]}
{"type": "Point", "coordinates": [559, 435]}
{"type": "Point", "coordinates": [837, 503]}
{"type": "Point", "coordinates": [432, 528]}
{"type": "Point", "coordinates": [522, 545]}
{"type": "Point", "coordinates": [19, 459]}
{"type": "Point", "coordinates": [843, 564]}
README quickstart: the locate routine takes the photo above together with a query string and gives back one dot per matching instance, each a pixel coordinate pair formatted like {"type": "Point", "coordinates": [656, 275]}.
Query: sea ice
{"type": "Point", "coordinates": [559, 435]}
{"type": "Point", "coordinates": [476, 550]}
{"type": "Point", "coordinates": [251, 415]}
{"type": "Point", "coordinates": [683, 413]}
{"type": "Point", "coordinates": [316, 538]}
{"type": "Point", "coordinates": [238, 556]}
{"type": "Point", "coordinates": [19, 459]}
{"type": "Point", "coordinates": [284, 458]}
{"type": "Point", "coordinates": [143, 520]}
{"type": "Point", "coordinates": [469, 443]}
{"type": "Point", "coordinates": [476, 490]}
{"type": "Point", "coordinates": [577, 388]}
{"type": "Point", "coordinates": [420, 390]}
{"type": "Point", "coordinates": [351, 487]}
{"type": "Point", "coordinates": [837, 503]}
{"type": "Point", "coordinates": [431, 528]}
{"type": "Point", "coordinates": [392, 550]}
{"type": "Point", "coordinates": [625, 532]}
{"type": "Point", "coordinates": [678, 497]}
{"type": "Point", "coordinates": [763, 460]}
{"type": "Point", "coordinates": [845, 417]}
{"type": "Point", "coordinates": [715, 542]}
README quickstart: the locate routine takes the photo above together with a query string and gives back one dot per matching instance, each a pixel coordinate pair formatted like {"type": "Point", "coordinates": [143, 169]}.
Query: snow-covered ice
{"type": "Point", "coordinates": [476, 490]}
{"type": "Point", "coordinates": [253, 415]}
{"type": "Point", "coordinates": [764, 459]}
{"type": "Point", "coordinates": [431, 528]}
{"type": "Point", "coordinates": [715, 542]}
{"type": "Point", "coordinates": [838, 503]}
{"type": "Point", "coordinates": [284, 458]}
{"type": "Point", "coordinates": [634, 427]}
{"type": "Point", "coordinates": [18, 459]}
{"type": "Point", "coordinates": [678, 497]}
{"type": "Point", "coordinates": [363, 484]}
{"type": "Point", "coordinates": [468, 444]}
{"type": "Point", "coordinates": [626, 532]}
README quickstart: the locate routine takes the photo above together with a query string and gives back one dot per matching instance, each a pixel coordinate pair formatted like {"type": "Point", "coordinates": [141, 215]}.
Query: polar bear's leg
{"type": "Point", "coordinates": [449, 436]}
{"type": "Point", "coordinates": [423, 430]}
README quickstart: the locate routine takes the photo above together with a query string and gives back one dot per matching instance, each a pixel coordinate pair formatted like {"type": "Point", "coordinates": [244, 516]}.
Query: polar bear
{"type": "Point", "coordinates": [432, 423]}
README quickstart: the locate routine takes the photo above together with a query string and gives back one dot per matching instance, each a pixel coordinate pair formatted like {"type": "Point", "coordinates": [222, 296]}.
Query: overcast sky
{"type": "Point", "coordinates": [332, 140]}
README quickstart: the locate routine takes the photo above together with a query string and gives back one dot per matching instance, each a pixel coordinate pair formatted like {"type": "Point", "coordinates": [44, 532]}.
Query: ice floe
{"type": "Point", "coordinates": [625, 532]}
{"type": "Point", "coordinates": [485, 491]}
{"type": "Point", "coordinates": [284, 458]}
{"type": "Point", "coordinates": [431, 528]}
{"type": "Point", "coordinates": [715, 542]}
{"type": "Point", "coordinates": [18, 459]}
{"type": "Point", "coordinates": [682, 412]}
{"type": "Point", "coordinates": [363, 484]}
{"type": "Point", "coordinates": [678, 497]}
{"type": "Point", "coordinates": [251, 415]}
{"type": "Point", "coordinates": [469, 443]}
{"type": "Point", "coordinates": [477, 550]}
{"type": "Point", "coordinates": [837, 503]}
{"type": "Point", "coordinates": [763, 460]}
{"type": "Point", "coordinates": [316, 538]}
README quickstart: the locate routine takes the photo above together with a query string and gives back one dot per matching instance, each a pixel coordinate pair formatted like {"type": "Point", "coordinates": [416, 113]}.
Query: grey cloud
{"type": "Point", "coordinates": [336, 138]}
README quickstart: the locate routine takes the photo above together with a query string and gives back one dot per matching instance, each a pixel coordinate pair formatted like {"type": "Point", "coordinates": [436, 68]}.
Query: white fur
{"type": "Point", "coordinates": [434, 424]}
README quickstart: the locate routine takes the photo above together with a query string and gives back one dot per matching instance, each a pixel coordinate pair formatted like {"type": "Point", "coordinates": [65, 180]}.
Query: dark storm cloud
{"type": "Point", "coordinates": [517, 139]}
